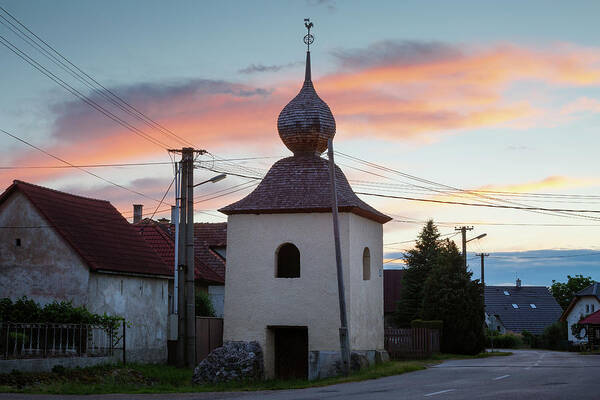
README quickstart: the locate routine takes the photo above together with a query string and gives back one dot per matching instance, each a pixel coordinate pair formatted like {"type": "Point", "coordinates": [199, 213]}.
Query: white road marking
{"type": "Point", "coordinates": [501, 377]}
{"type": "Point", "coordinates": [440, 392]}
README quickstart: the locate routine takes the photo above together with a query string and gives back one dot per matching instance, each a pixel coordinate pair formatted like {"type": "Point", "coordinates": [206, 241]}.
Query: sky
{"type": "Point", "coordinates": [493, 103]}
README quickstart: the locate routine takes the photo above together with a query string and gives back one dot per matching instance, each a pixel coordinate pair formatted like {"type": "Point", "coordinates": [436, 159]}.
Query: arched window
{"type": "Point", "coordinates": [288, 261]}
{"type": "Point", "coordinates": [366, 264]}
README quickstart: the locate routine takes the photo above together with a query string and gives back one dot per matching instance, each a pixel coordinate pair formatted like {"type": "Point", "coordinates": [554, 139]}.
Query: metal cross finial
{"type": "Point", "coordinates": [308, 38]}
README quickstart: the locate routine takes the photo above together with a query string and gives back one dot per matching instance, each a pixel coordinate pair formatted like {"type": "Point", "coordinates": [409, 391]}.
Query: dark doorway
{"type": "Point", "coordinates": [291, 352]}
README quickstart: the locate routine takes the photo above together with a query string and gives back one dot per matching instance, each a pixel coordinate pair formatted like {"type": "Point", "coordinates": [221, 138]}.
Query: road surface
{"type": "Point", "coordinates": [528, 374]}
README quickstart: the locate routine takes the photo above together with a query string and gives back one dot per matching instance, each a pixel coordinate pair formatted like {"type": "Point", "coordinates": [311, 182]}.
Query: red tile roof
{"type": "Point", "coordinates": [592, 319]}
{"type": "Point", "coordinates": [392, 285]}
{"type": "Point", "coordinates": [94, 229]}
{"type": "Point", "coordinates": [300, 184]}
{"type": "Point", "coordinates": [162, 241]}
{"type": "Point", "coordinates": [207, 237]}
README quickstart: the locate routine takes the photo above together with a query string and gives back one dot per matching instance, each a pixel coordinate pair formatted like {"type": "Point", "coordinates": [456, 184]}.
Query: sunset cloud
{"type": "Point", "coordinates": [391, 90]}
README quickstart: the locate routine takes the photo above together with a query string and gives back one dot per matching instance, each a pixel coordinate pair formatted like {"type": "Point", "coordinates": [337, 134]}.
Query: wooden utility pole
{"type": "Point", "coordinates": [464, 230]}
{"type": "Point", "coordinates": [482, 255]}
{"type": "Point", "coordinates": [344, 340]}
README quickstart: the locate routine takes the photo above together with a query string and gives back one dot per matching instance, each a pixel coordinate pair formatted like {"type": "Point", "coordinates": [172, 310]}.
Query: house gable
{"type": "Point", "coordinates": [35, 261]}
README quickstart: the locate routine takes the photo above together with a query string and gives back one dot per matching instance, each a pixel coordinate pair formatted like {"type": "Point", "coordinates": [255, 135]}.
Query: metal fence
{"type": "Point", "coordinates": [42, 340]}
{"type": "Point", "coordinates": [412, 342]}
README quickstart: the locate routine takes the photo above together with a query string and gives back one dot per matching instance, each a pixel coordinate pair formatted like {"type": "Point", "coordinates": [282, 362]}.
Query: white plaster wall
{"type": "Point", "coordinates": [578, 311]}
{"type": "Point", "coordinates": [143, 302]}
{"type": "Point", "coordinates": [255, 299]}
{"type": "Point", "coordinates": [366, 296]}
{"type": "Point", "coordinates": [44, 268]}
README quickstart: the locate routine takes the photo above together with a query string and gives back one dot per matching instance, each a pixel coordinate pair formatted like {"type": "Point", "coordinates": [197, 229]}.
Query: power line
{"type": "Point", "coordinates": [82, 76]}
{"type": "Point", "coordinates": [80, 95]}
{"type": "Point", "coordinates": [595, 253]}
{"type": "Point", "coordinates": [86, 165]}
{"type": "Point", "coordinates": [429, 182]}
{"type": "Point", "coordinates": [478, 204]}
{"type": "Point", "coordinates": [79, 168]}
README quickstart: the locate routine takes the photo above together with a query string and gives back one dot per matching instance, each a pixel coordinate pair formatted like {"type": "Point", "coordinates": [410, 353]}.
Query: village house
{"type": "Point", "coordinates": [520, 308]}
{"type": "Point", "coordinates": [57, 246]}
{"type": "Point", "coordinates": [281, 286]}
{"type": "Point", "coordinates": [585, 302]}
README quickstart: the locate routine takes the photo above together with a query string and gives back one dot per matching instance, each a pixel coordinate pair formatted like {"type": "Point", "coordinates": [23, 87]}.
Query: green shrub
{"type": "Point", "coordinates": [24, 310]}
{"type": "Point", "coordinates": [505, 341]}
{"type": "Point", "coordinates": [555, 337]}
{"type": "Point", "coordinates": [432, 324]}
{"type": "Point", "coordinates": [204, 307]}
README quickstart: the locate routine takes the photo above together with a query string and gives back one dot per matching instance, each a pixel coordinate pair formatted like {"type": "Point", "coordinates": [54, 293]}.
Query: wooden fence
{"type": "Point", "coordinates": [412, 342]}
{"type": "Point", "coordinates": [209, 336]}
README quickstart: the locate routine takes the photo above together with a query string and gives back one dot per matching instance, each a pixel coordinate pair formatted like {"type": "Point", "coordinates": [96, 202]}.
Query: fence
{"type": "Point", "coordinates": [44, 340]}
{"type": "Point", "coordinates": [209, 336]}
{"type": "Point", "coordinates": [412, 342]}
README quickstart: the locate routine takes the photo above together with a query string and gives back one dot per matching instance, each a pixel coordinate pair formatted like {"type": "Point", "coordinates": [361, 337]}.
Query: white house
{"type": "Point", "coordinates": [58, 246]}
{"type": "Point", "coordinates": [585, 302]}
{"type": "Point", "coordinates": [281, 287]}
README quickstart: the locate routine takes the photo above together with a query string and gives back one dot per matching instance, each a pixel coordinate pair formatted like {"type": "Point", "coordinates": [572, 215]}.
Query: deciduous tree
{"type": "Point", "coordinates": [564, 292]}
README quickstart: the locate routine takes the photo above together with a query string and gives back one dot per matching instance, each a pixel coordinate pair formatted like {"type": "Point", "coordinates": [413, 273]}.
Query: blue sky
{"type": "Point", "coordinates": [483, 96]}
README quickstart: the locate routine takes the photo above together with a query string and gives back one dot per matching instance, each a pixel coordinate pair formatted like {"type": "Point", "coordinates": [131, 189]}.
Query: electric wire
{"type": "Point", "coordinates": [79, 168]}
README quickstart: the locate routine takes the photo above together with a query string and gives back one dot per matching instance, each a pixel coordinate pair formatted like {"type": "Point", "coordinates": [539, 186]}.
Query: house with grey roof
{"type": "Point", "coordinates": [520, 308]}
{"type": "Point", "coordinates": [585, 302]}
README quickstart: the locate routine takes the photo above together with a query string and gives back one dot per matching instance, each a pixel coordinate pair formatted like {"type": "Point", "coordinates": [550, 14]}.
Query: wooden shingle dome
{"type": "Point", "coordinates": [306, 123]}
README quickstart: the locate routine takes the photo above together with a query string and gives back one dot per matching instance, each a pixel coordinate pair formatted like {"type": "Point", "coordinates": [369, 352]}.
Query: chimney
{"type": "Point", "coordinates": [173, 214]}
{"type": "Point", "coordinates": [137, 213]}
{"type": "Point", "coordinates": [518, 283]}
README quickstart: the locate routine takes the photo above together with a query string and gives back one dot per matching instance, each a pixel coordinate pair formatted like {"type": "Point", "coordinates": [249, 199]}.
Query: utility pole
{"type": "Point", "coordinates": [464, 230]}
{"type": "Point", "coordinates": [482, 255]}
{"type": "Point", "coordinates": [344, 340]}
{"type": "Point", "coordinates": [181, 314]}
{"type": "Point", "coordinates": [186, 332]}
{"type": "Point", "coordinates": [190, 295]}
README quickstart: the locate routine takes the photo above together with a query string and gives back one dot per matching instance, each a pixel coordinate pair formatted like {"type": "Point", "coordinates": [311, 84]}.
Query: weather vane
{"type": "Point", "coordinates": [308, 38]}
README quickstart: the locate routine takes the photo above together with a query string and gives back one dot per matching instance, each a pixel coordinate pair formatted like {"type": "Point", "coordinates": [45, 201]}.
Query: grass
{"type": "Point", "coordinates": [151, 378]}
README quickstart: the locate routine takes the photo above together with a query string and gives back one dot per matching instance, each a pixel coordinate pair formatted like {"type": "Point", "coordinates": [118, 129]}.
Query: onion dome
{"type": "Point", "coordinates": [306, 123]}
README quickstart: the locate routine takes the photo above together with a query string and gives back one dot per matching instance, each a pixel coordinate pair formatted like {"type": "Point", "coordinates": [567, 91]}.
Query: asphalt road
{"type": "Point", "coordinates": [527, 374]}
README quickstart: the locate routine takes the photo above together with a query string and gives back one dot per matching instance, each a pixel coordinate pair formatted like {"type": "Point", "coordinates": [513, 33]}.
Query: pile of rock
{"type": "Point", "coordinates": [234, 361]}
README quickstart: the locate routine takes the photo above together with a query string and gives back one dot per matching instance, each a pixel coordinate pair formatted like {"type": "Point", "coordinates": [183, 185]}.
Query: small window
{"type": "Point", "coordinates": [587, 308]}
{"type": "Point", "coordinates": [515, 306]}
{"type": "Point", "coordinates": [288, 261]}
{"type": "Point", "coordinates": [533, 306]}
{"type": "Point", "coordinates": [506, 293]}
{"type": "Point", "coordinates": [18, 242]}
{"type": "Point", "coordinates": [366, 264]}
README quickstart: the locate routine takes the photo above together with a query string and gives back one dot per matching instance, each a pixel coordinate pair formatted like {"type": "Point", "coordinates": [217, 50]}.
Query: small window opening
{"type": "Point", "coordinates": [288, 261]}
{"type": "Point", "coordinates": [506, 293]}
{"type": "Point", "coordinates": [592, 308]}
{"type": "Point", "coordinates": [18, 242]}
{"type": "Point", "coordinates": [533, 306]}
{"type": "Point", "coordinates": [366, 264]}
{"type": "Point", "coordinates": [515, 306]}
{"type": "Point", "coordinates": [121, 287]}
{"type": "Point", "coordinates": [587, 308]}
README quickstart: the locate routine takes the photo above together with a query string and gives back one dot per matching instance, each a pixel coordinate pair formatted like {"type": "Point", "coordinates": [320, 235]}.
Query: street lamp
{"type": "Point", "coordinates": [477, 237]}
{"type": "Point", "coordinates": [214, 179]}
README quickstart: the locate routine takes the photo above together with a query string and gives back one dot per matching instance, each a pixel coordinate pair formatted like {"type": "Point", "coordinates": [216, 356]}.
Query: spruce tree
{"type": "Point", "coordinates": [419, 263]}
{"type": "Point", "coordinates": [450, 295]}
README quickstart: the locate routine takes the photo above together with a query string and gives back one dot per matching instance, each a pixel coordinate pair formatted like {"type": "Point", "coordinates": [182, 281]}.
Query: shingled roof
{"type": "Point", "coordinates": [301, 184]}
{"type": "Point", "coordinates": [525, 317]}
{"type": "Point", "coordinates": [160, 238]}
{"type": "Point", "coordinates": [94, 229]}
{"type": "Point", "coordinates": [207, 238]}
